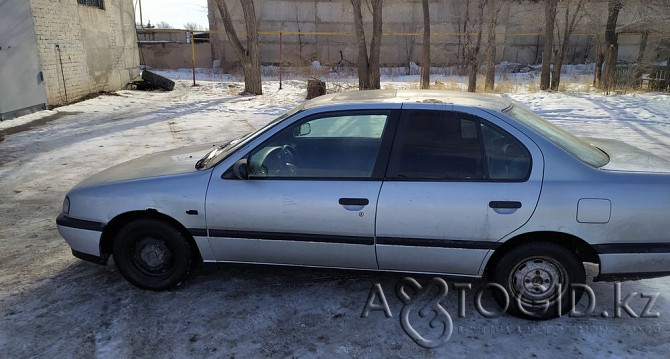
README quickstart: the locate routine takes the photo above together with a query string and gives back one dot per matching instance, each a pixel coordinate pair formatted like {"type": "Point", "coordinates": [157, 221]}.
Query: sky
{"type": "Point", "coordinates": [174, 12]}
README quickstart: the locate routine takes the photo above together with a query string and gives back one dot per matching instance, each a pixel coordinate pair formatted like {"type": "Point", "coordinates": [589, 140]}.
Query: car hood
{"type": "Point", "coordinates": [624, 157]}
{"type": "Point", "coordinates": [165, 163]}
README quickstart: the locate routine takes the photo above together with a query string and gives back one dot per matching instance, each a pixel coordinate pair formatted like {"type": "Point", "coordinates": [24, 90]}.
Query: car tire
{"type": "Point", "coordinates": [531, 275]}
{"type": "Point", "coordinates": [152, 254]}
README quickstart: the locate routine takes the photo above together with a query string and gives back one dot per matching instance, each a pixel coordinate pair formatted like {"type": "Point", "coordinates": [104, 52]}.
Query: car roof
{"type": "Point", "coordinates": [409, 96]}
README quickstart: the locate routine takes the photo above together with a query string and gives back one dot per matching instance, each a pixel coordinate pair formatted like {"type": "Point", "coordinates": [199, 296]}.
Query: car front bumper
{"type": "Point", "coordinates": [83, 237]}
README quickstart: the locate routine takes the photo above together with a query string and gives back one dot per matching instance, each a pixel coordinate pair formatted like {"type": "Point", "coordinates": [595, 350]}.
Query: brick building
{"type": "Point", "coordinates": [54, 52]}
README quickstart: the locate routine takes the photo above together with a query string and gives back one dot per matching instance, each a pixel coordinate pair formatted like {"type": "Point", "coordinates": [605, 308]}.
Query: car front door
{"type": "Point", "coordinates": [457, 183]}
{"type": "Point", "coordinates": [310, 197]}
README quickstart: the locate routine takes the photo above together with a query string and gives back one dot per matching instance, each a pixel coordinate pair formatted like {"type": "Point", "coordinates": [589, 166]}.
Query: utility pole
{"type": "Point", "coordinates": [141, 21]}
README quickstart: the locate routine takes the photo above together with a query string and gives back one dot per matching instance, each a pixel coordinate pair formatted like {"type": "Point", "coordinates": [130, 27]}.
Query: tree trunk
{"type": "Point", "coordinates": [549, 19]}
{"type": "Point", "coordinates": [465, 43]}
{"type": "Point", "coordinates": [375, 45]}
{"type": "Point", "coordinates": [600, 59]}
{"type": "Point", "coordinates": [249, 57]}
{"type": "Point", "coordinates": [564, 43]}
{"type": "Point", "coordinates": [472, 76]}
{"type": "Point", "coordinates": [643, 48]}
{"type": "Point", "coordinates": [315, 88]}
{"type": "Point", "coordinates": [474, 46]}
{"type": "Point", "coordinates": [489, 84]}
{"type": "Point", "coordinates": [368, 67]}
{"type": "Point", "coordinates": [611, 45]}
{"type": "Point", "coordinates": [362, 65]}
{"type": "Point", "coordinates": [252, 76]}
{"type": "Point", "coordinates": [556, 71]}
{"type": "Point", "coordinates": [425, 47]}
{"type": "Point", "coordinates": [598, 63]}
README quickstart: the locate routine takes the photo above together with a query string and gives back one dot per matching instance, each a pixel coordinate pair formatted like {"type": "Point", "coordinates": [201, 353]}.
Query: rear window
{"type": "Point", "coordinates": [570, 143]}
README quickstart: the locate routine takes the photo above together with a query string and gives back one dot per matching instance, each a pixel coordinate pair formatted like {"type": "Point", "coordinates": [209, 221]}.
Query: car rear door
{"type": "Point", "coordinates": [311, 194]}
{"type": "Point", "coordinates": [458, 182]}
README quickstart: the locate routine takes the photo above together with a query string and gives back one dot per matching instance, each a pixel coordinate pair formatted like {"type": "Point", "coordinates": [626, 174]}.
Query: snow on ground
{"type": "Point", "coordinates": [53, 305]}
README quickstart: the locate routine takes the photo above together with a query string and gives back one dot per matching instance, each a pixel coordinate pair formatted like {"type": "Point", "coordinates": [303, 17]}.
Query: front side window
{"type": "Point", "coordinates": [444, 145]}
{"type": "Point", "coordinates": [217, 155]}
{"type": "Point", "coordinates": [331, 146]}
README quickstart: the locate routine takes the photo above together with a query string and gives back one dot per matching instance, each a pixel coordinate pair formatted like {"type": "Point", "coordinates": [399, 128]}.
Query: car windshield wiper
{"type": "Point", "coordinates": [202, 163]}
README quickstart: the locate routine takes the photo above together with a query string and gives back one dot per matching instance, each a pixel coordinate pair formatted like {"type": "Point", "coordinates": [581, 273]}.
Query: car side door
{"type": "Point", "coordinates": [311, 193]}
{"type": "Point", "coordinates": [458, 182]}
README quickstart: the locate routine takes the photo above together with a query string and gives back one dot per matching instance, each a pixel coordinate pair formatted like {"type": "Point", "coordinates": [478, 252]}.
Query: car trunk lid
{"type": "Point", "coordinates": [624, 157]}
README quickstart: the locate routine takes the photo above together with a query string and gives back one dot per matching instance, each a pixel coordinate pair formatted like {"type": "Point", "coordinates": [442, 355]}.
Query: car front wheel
{"type": "Point", "coordinates": [539, 279]}
{"type": "Point", "coordinates": [152, 254]}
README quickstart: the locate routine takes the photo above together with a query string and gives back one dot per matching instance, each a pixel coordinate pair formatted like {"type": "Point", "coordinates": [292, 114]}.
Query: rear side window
{"type": "Point", "coordinates": [506, 157]}
{"type": "Point", "coordinates": [444, 145]}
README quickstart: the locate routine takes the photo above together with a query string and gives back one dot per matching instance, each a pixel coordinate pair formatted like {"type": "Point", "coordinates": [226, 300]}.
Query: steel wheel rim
{"type": "Point", "coordinates": [152, 256]}
{"type": "Point", "coordinates": [535, 282]}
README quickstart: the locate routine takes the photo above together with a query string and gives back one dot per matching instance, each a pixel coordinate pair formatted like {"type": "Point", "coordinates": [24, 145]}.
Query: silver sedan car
{"type": "Point", "coordinates": [438, 182]}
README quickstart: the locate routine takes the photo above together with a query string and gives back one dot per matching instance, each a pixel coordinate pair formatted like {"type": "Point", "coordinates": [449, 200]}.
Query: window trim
{"type": "Point", "coordinates": [394, 158]}
{"type": "Point", "coordinates": [379, 168]}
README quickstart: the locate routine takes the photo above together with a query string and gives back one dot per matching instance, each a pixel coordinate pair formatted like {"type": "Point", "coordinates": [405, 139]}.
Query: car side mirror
{"type": "Point", "coordinates": [241, 170]}
{"type": "Point", "coordinates": [302, 130]}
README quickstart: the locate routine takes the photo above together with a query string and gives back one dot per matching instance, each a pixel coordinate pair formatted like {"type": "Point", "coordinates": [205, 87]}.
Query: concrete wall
{"type": "Point", "coordinates": [147, 35]}
{"type": "Point", "coordinates": [170, 55]}
{"type": "Point", "coordinates": [399, 16]}
{"type": "Point", "coordinates": [93, 49]}
{"type": "Point", "coordinates": [518, 40]}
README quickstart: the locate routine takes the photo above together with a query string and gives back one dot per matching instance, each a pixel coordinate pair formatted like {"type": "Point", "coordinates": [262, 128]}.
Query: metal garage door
{"type": "Point", "coordinates": [21, 82]}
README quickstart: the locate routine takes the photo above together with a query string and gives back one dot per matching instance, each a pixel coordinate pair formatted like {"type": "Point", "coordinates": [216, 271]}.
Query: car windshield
{"type": "Point", "coordinates": [220, 153]}
{"type": "Point", "coordinates": [574, 145]}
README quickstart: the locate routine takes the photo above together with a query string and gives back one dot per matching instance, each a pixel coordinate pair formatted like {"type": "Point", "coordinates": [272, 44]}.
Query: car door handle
{"type": "Point", "coordinates": [354, 201]}
{"type": "Point", "coordinates": [505, 204]}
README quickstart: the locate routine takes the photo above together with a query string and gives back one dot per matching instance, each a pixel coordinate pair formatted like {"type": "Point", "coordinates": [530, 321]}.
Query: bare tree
{"type": "Point", "coordinates": [549, 19]}
{"type": "Point", "coordinates": [611, 44]}
{"type": "Point", "coordinates": [494, 11]}
{"type": "Point", "coordinates": [303, 41]}
{"type": "Point", "coordinates": [462, 22]}
{"type": "Point", "coordinates": [410, 25]}
{"type": "Point", "coordinates": [656, 13]}
{"type": "Point", "coordinates": [193, 26]}
{"type": "Point", "coordinates": [564, 40]}
{"type": "Point", "coordinates": [368, 66]}
{"type": "Point", "coordinates": [600, 59]}
{"type": "Point", "coordinates": [250, 56]}
{"type": "Point", "coordinates": [643, 48]}
{"type": "Point", "coordinates": [425, 48]}
{"type": "Point", "coordinates": [593, 15]}
{"type": "Point", "coordinates": [473, 41]}
{"type": "Point", "coordinates": [161, 25]}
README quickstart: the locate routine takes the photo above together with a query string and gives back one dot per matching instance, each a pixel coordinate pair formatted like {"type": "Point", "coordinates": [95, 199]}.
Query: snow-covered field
{"type": "Point", "coordinates": [53, 305]}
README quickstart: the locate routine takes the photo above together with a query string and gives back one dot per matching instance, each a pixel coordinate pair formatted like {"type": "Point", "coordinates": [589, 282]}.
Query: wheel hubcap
{"type": "Point", "coordinates": [536, 280]}
{"type": "Point", "coordinates": [152, 255]}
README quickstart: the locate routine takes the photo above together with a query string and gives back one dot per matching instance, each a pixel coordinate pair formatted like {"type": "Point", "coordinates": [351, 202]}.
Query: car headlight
{"type": "Point", "coordinates": [66, 205]}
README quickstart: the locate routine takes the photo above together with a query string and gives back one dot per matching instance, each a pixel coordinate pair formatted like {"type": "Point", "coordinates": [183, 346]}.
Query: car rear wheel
{"type": "Point", "coordinates": [152, 254]}
{"type": "Point", "coordinates": [539, 279]}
